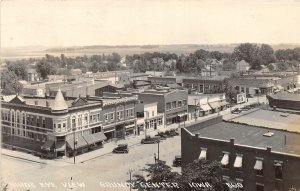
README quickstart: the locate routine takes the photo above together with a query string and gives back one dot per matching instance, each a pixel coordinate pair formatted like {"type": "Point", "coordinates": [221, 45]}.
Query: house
{"type": "Point", "coordinates": [32, 75]}
{"type": "Point", "coordinates": [242, 66]}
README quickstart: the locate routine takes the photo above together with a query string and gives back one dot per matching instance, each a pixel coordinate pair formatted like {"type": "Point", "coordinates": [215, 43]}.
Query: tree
{"type": "Point", "coordinates": [282, 66]}
{"type": "Point", "coordinates": [248, 52]}
{"type": "Point", "coordinates": [10, 83]}
{"type": "Point", "coordinates": [202, 171]}
{"type": "Point", "coordinates": [197, 171]}
{"type": "Point", "coordinates": [158, 172]}
{"type": "Point", "coordinates": [266, 53]}
{"type": "Point", "coordinates": [45, 68]}
{"type": "Point", "coordinates": [19, 69]}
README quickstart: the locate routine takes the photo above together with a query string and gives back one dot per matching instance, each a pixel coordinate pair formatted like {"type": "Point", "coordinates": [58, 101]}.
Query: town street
{"type": "Point", "coordinates": [108, 168]}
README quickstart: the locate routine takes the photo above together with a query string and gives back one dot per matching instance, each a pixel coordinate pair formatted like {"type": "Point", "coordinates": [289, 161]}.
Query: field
{"type": "Point", "coordinates": [40, 51]}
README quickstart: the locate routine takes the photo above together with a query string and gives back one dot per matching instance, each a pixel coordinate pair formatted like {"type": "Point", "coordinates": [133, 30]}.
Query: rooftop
{"type": "Point", "coordinates": [247, 135]}
{"type": "Point", "coordinates": [286, 96]}
{"type": "Point", "coordinates": [271, 119]}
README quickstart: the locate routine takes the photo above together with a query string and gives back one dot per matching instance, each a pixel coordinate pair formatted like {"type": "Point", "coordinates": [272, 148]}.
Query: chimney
{"type": "Point", "coordinates": [47, 104]}
{"type": "Point", "coordinates": [197, 135]}
{"type": "Point", "coordinates": [36, 102]}
{"type": "Point", "coordinates": [232, 141]}
{"type": "Point", "coordinates": [269, 149]}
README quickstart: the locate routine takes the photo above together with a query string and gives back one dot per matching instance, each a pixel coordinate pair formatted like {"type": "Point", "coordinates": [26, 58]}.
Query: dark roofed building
{"type": "Point", "coordinates": [285, 100]}
{"type": "Point", "coordinates": [258, 158]}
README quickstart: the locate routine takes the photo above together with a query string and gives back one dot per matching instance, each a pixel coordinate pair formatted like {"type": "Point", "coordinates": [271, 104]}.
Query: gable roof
{"type": "Point", "coordinates": [79, 102]}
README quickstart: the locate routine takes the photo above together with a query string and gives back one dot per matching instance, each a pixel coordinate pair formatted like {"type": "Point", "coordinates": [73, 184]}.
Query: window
{"type": "Point", "coordinates": [278, 170]}
{"type": "Point", "coordinates": [54, 126]}
{"type": "Point", "coordinates": [173, 104]}
{"type": "Point", "coordinates": [111, 116]}
{"type": "Point", "coordinates": [37, 121]}
{"type": "Point", "coordinates": [238, 163]}
{"type": "Point", "coordinates": [85, 118]}
{"type": "Point", "coordinates": [121, 114]}
{"type": "Point", "coordinates": [127, 113]}
{"type": "Point", "coordinates": [258, 167]}
{"type": "Point", "coordinates": [184, 102]}
{"type": "Point", "coordinates": [106, 117]}
{"type": "Point", "coordinates": [131, 112]}
{"type": "Point", "coordinates": [168, 106]}
{"type": "Point", "coordinates": [58, 127]}
{"type": "Point", "coordinates": [74, 122]}
{"type": "Point", "coordinates": [152, 113]}
{"type": "Point", "coordinates": [259, 187]}
{"type": "Point", "coordinates": [79, 120]}
{"type": "Point", "coordinates": [118, 115]}
{"type": "Point", "coordinates": [179, 103]}
{"type": "Point", "coordinates": [43, 122]}
{"type": "Point", "coordinates": [64, 127]}
{"type": "Point", "coordinates": [225, 160]}
{"type": "Point", "coordinates": [98, 117]}
{"type": "Point", "coordinates": [159, 121]}
{"type": "Point", "coordinates": [201, 88]}
{"type": "Point", "coordinates": [243, 89]}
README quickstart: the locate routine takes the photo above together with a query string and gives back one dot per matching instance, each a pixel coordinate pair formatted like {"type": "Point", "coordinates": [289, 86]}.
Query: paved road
{"type": "Point", "coordinates": [108, 168]}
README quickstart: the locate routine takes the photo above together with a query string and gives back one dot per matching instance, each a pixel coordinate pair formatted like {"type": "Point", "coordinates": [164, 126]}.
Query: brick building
{"type": "Point", "coordinates": [171, 102]}
{"type": "Point", "coordinates": [50, 126]}
{"type": "Point", "coordinates": [259, 158]}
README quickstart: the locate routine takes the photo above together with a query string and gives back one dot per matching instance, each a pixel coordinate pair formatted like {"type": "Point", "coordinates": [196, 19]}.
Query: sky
{"type": "Point", "coordinates": [144, 22]}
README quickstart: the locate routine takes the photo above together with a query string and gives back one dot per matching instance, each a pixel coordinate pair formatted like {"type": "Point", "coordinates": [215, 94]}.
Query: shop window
{"type": "Point", "coordinates": [173, 104]}
{"type": "Point", "coordinates": [168, 106]}
{"type": "Point", "coordinates": [74, 122]}
{"type": "Point", "coordinates": [179, 103]}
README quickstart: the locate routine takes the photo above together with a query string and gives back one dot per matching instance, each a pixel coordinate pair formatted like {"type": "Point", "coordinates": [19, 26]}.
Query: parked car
{"type": "Point", "coordinates": [162, 135]}
{"type": "Point", "coordinates": [177, 161]}
{"type": "Point", "coordinates": [121, 148]}
{"type": "Point", "coordinates": [160, 138]}
{"type": "Point", "coordinates": [236, 111]}
{"type": "Point", "coordinates": [174, 132]}
{"type": "Point", "coordinates": [149, 140]}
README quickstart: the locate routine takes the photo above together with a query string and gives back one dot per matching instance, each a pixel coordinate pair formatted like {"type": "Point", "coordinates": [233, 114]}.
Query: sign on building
{"type": "Point", "coordinates": [241, 98]}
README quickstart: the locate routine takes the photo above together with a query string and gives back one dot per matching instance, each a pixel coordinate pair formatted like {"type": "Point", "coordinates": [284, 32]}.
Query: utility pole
{"type": "Point", "coordinates": [195, 99]}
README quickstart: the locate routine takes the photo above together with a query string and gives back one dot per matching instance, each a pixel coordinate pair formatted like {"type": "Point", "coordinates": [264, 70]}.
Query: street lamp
{"type": "Point", "coordinates": [195, 109]}
{"type": "Point", "coordinates": [75, 143]}
{"type": "Point", "coordinates": [158, 150]}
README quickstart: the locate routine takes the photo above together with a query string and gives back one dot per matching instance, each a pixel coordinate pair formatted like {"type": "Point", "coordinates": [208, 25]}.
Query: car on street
{"type": "Point", "coordinates": [236, 111]}
{"type": "Point", "coordinates": [149, 140]}
{"type": "Point", "coordinates": [177, 161]}
{"type": "Point", "coordinates": [246, 108]}
{"type": "Point", "coordinates": [121, 148]}
{"type": "Point", "coordinates": [162, 135]}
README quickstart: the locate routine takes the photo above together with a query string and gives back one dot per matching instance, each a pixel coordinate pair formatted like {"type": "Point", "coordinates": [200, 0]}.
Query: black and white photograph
{"type": "Point", "coordinates": [150, 95]}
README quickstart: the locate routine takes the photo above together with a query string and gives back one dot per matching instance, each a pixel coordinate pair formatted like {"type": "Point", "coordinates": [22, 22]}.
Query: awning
{"type": "Point", "coordinates": [99, 136]}
{"type": "Point", "coordinates": [215, 105]}
{"type": "Point", "coordinates": [80, 142]}
{"type": "Point", "coordinates": [258, 165]}
{"type": "Point", "coordinates": [205, 107]}
{"type": "Point", "coordinates": [277, 164]}
{"type": "Point", "coordinates": [94, 138]}
{"type": "Point", "coordinates": [238, 162]}
{"type": "Point", "coordinates": [225, 159]}
{"type": "Point", "coordinates": [202, 154]}
{"type": "Point", "coordinates": [48, 144]}
{"type": "Point", "coordinates": [181, 114]}
{"type": "Point", "coordinates": [89, 138]}
{"type": "Point", "coordinates": [60, 146]}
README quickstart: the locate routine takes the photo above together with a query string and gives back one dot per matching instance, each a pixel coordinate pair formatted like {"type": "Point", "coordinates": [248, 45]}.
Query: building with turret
{"type": "Point", "coordinates": [58, 126]}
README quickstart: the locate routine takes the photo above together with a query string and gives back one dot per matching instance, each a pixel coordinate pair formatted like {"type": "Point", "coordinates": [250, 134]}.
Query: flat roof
{"type": "Point", "coordinates": [252, 136]}
{"type": "Point", "coordinates": [286, 96]}
{"type": "Point", "coordinates": [271, 119]}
